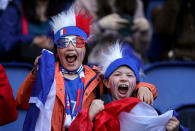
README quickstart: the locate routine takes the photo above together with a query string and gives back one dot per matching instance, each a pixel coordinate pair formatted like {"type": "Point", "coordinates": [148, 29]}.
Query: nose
{"type": "Point", "coordinates": [70, 45]}
{"type": "Point", "coordinates": [123, 77]}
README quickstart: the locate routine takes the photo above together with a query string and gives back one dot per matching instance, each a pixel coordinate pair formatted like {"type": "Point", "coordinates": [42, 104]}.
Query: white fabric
{"type": "Point", "coordinates": [38, 103]}
{"type": "Point", "coordinates": [44, 119]}
{"type": "Point", "coordinates": [144, 117]}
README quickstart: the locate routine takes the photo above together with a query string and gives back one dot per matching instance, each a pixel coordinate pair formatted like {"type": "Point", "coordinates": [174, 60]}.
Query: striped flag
{"type": "Point", "coordinates": [43, 93]}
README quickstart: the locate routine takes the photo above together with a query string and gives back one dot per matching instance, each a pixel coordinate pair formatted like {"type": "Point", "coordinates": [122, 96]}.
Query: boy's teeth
{"type": "Point", "coordinates": [123, 86]}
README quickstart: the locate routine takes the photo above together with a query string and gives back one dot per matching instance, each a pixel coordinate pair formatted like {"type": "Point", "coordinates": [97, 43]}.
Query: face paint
{"type": "Point", "coordinates": [81, 55]}
{"type": "Point", "coordinates": [132, 85]}
{"type": "Point", "coordinates": [123, 76]}
{"type": "Point", "coordinates": [112, 84]}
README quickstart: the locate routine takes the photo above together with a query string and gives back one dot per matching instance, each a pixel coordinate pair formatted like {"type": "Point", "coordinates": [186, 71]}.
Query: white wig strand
{"type": "Point", "coordinates": [64, 19]}
{"type": "Point", "coordinates": [106, 58]}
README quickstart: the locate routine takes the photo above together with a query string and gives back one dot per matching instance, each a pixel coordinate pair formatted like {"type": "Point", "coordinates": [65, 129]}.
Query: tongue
{"type": "Point", "coordinates": [70, 59]}
{"type": "Point", "coordinates": [122, 90]}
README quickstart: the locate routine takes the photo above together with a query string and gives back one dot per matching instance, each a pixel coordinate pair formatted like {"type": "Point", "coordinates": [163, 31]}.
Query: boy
{"type": "Point", "coordinates": [120, 77]}
{"type": "Point", "coordinates": [64, 88]}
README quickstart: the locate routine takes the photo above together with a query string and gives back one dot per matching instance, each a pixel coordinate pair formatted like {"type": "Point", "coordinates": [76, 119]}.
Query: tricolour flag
{"type": "Point", "coordinates": [42, 99]}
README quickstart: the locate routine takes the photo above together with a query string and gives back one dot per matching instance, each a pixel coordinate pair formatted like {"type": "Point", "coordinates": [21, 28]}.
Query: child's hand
{"type": "Point", "coordinates": [34, 70]}
{"type": "Point", "coordinates": [95, 108]}
{"type": "Point", "coordinates": [173, 124]}
{"type": "Point", "coordinates": [145, 95]}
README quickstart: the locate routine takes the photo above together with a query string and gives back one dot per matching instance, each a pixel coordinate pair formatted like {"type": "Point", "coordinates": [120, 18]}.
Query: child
{"type": "Point", "coordinates": [120, 76]}
{"type": "Point", "coordinates": [61, 90]}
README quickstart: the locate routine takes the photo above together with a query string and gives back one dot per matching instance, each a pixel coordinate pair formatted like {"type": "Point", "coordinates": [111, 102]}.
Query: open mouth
{"type": "Point", "coordinates": [123, 89]}
{"type": "Point", "coordinates": [71, 58]}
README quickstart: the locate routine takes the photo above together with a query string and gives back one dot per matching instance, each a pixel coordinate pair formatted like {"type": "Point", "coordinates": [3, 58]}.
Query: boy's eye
{"type": "Point", "coordinates": [117, 74]}
{"type": "Point", "coordinates": [129, 75]}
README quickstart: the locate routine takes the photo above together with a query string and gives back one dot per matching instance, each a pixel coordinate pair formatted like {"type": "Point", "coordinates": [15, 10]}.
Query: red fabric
{"type": "Point", "coordinates": [82, 122]}
{"type": "Point", "coordinates": [106, 120]}
{"type": "Point", "coordinates": [8, 110]}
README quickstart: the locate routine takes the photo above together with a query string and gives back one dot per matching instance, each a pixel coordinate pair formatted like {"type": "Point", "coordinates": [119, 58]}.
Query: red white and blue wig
{"type": "Point", "coordinates": [71, 23]}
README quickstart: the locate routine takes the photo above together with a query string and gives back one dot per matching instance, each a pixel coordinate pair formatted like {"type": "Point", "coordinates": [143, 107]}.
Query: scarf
{"type": "Point", "coordinates": [74, 90]}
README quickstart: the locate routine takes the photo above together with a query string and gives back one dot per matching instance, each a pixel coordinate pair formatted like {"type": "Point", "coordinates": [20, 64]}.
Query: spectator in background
{"type": "Point", "coordinates": [24, 26]}
{"type": "Point", "coordinates": [8, 110]}
{"type": "Point", "coordinates": [174, 23]}
{"type": "Point", "coordinates": [121, 18]}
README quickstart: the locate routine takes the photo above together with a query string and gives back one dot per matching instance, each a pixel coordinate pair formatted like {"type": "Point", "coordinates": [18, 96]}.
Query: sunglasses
{"type": "Point", "coordinates": [77, 41]}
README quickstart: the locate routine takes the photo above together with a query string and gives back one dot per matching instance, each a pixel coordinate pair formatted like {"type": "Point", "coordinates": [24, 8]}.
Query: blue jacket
{"type": "Point", "coordinates": [11, 28]}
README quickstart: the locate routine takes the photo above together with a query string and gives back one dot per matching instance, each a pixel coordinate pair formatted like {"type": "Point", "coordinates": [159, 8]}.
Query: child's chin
{"type": "Point", "coordinates": [71, 68]}
{"type": "Point", "coordinates": [122, 96]}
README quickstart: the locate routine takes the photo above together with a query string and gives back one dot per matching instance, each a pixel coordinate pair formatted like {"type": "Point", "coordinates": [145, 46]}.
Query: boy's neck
{"type": "Point", "coordinates": [71, 76]}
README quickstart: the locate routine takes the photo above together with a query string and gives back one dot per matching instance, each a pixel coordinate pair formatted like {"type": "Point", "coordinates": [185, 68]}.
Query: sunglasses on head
{"type": "Point", "coordinates": [77, 41]}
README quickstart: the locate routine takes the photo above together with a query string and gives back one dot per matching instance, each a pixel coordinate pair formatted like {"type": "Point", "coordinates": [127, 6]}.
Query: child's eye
{"type": "Point", "coordinates": [117, 74]}
{"type": "Point", "coordinates": [129, 75]}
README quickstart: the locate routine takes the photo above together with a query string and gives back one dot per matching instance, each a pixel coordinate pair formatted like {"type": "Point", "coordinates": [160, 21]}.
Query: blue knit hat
{"type": "Point", "coordinates": [121, 62]}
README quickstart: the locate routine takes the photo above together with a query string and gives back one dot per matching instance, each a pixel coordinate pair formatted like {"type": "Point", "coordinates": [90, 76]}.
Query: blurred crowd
{"type": "Point", "coordinates": [25, 30]}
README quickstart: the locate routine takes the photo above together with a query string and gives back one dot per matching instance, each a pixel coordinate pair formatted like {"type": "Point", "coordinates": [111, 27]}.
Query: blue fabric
{"type": "Point", "coordinates": [42, 83]}
{"type": "Point", "coordinates": [119, 62]}
{"type": "Point", "coordinates": [44, 79]}
{"type": "Point", "coordinates": [70, 30]}
{"type": "Point", "coordinates": [10, 29]}
{"type": "Point", "coordinates": [31, 118]}
{"type": "Point", "coordinates": [71, 87]}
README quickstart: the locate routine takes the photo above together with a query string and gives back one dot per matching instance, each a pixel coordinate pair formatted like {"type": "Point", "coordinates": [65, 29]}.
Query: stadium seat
{"type": "Point", "coordinates": [174, 82]}
{"type": "Point", "coordinates": [175, 85]}
{"type": "Point", "coordinates": [16, 73]}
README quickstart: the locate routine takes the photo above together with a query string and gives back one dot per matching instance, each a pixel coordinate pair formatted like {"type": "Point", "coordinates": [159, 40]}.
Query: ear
{"type": "Point", "coordinates": [105, 81]}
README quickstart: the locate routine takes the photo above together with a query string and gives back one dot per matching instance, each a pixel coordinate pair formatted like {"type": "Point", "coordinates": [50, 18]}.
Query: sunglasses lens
{"type": "Point", "coordinates": [77, 41]}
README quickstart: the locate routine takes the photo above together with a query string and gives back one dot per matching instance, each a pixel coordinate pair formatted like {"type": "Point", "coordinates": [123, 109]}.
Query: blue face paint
{"type": "Point", "coordinates": [81, 55]}
{"type": "Point", "coordinates": [113, 85]}
{"type": "Point", "coordinates": [132, 85]}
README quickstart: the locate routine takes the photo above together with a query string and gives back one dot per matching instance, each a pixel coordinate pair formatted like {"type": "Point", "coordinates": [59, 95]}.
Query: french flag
{"type": "Point", "coordinates": [62, 32]}
{"type": "Point", "coordinates": [129, 114]}
{"type": "Point", "coordinates": [42, 99]}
